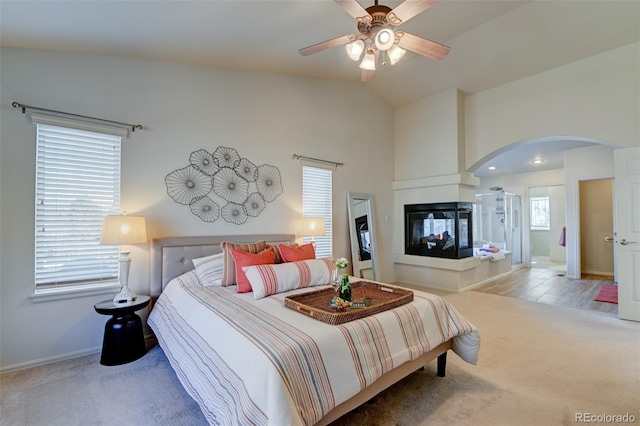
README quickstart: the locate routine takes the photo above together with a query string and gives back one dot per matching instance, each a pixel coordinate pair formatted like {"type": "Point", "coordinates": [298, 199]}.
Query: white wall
{"type": "Point", "coordinates": [597, 98]}
{"type": "Point", "coordinates": [267, 118]}
{"type": "Point", "coordinates": [581, 164]}
{"type": "Point", "coordinates": [557, 204]}
{"type": "Point", "coordinates": [427, 137]}
{"type": "Point", "coordinates": [520, 182]}
{"type": "Point", "coordinates": [429, 156]}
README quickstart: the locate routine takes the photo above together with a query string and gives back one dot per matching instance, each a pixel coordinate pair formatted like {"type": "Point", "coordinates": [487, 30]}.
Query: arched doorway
{"type": "Point", "coordinates": [516, 172]}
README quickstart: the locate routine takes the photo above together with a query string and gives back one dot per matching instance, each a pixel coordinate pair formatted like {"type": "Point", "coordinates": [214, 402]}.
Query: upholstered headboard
{"type": "Point", "coordinates": [171, 257]}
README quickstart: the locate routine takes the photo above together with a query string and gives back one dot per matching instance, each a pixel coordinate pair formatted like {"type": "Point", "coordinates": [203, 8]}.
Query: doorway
{"type": "Point", "coordinates": [596, 228]}
{"type": "Point", "coordinates": [547, 227]}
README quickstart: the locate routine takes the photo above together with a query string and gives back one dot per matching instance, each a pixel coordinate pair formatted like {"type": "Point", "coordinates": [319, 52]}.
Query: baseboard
{"type": "Point", "coordinates": [607, 274]}
{"type": "Point", "coordinates": [49, 360]}
{"type": "Point", "coordinates": [487, 281]}
{"type": "Point", "coordinates": [424, 287]}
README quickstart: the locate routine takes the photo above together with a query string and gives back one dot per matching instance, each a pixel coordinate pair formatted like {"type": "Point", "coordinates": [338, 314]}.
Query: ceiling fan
{"type": "Point", "coordinates": [377, 36]}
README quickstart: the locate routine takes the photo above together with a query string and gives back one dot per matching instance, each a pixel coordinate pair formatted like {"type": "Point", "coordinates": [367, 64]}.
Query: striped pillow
{"type": "Point", "coordinates": [229, 274]}
{"type": "Point", "coordinates": [266, 280]}
{"type": "Point", "coordinates": [210, 269]}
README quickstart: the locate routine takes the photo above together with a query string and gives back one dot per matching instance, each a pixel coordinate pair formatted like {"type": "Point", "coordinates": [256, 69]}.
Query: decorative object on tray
{"type": "Point", "coordinates": [322, 304]}
{"type": "Point", "coordinates": [340, 264]}
{"type": "Point", "coordinates": [243, 187]}
{"type": "Point", "coordinates": [345, 288]}
{"type": "Point", "coordinates": [341, 282]}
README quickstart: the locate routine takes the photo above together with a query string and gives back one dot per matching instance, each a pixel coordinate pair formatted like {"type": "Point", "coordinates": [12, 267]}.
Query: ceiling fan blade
{"type": "Point", "coordinates": [408, 9]}
{"type": "Point", "coordinates": [354, 9]}
{"type": "Point", "coordinates": [422, 46]}
{"type": "Point", "coordinates": [327, 44]}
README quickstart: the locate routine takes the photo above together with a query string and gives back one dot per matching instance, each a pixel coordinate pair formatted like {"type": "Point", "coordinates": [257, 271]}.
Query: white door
{"type": "Point", "coordinates": [627, 236]}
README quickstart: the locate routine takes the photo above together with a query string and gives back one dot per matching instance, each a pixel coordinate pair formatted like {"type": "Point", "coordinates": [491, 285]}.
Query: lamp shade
{"type": "Point", "coordinates": [355, 49]}
{"type": "Point", "coordinates": [395, 53]}
{"type": "Point", "coordinates": [368, 62]}
{"type": "Point", "coordinates": [312, 226]}
{"type": "Point", "coordinates": [123, 230]}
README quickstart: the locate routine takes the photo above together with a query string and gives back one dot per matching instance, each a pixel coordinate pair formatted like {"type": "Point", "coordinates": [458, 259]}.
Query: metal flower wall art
{"type": "Point", "coordinates": [224, 184]}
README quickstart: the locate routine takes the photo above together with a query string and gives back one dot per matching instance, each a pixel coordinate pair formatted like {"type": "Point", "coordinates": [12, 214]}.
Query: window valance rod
{"type": "Point", "coordinates": [24, 107]}
{"type": "Point", "coordinates": [302, 157]}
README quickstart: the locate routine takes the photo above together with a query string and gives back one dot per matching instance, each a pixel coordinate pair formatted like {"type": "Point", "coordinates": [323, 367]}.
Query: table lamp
{"type": "Point", "coordinates": [124, 230]}
{"type": "Point", "coordinates": [312, 226]}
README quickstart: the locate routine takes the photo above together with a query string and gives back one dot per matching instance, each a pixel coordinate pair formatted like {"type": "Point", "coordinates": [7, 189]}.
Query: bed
{"type": "Point", "coordinates": [248, 361]}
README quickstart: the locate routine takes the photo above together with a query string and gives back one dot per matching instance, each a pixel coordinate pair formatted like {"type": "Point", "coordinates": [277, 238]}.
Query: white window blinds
{"type": "Point", "coordinates": [316, 201]}
{"type": "Point", "coordinates": [77, 185]}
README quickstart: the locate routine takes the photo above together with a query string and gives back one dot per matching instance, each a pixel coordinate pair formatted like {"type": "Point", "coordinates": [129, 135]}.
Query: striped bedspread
{"type": "Point", "coordinates": [249, 361]}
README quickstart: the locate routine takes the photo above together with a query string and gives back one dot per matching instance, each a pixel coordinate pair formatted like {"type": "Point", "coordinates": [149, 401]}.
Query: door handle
{"type": "Point", "coordinates": [625, 242]}
{"type": "Point", "coordinates": [608, 239]}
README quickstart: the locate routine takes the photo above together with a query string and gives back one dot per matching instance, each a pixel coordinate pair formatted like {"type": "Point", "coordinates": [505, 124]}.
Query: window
{"type": "Point", "coordinates": [316, 201]}
{"type": "Point", "coordinates": [540, 218]}
{"type": "Point", "coordinates": [77, 185]}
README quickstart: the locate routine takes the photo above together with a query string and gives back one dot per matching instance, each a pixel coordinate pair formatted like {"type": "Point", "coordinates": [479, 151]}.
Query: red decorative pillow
{"type": "Point", "coordinates": [296, 254]}
{"type": "Point", "coordinates": [279, 258]}
{"type": "Point", "coordinates": [242, 259]}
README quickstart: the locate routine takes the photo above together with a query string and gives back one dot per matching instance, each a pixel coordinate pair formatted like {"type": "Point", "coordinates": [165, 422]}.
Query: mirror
{"type": "Point", "coordinates": [364, 253]}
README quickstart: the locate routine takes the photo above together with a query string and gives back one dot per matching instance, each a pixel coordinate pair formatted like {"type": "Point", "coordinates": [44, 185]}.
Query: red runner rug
{"type": "Point", "coordinates": [608, 293]}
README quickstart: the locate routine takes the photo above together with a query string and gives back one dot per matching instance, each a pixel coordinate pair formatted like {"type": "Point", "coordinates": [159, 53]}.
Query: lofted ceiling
{"type": "Point", "coordinates": [492, 42]}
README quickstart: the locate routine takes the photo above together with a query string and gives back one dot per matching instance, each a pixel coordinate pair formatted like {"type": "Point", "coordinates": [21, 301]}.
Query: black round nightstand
{"type": "Point", "coordinates": [123, 339]}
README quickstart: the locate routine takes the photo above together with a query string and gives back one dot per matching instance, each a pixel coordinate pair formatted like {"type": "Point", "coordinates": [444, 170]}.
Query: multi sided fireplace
{"type": "Point", "coordinates": [439, 229]}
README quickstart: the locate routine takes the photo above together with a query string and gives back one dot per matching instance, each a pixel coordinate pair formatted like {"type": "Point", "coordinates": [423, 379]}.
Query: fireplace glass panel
{"type": "Point", "coordinates": [441, 230]}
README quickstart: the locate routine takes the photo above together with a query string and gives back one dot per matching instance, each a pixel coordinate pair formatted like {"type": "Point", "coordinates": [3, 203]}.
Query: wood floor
{"type": "Point", "coordinates": [551, 286]}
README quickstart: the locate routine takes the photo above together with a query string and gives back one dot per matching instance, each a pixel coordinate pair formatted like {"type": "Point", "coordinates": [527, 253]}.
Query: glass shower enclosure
{"type": "Point", "coordinates": [497, 219]}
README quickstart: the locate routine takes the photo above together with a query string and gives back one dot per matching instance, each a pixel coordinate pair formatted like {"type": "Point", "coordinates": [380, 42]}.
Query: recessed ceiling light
{"type": "Point", "coordinates": [538, 161]}
{"type": "Point", "coordinates": [492, 167]}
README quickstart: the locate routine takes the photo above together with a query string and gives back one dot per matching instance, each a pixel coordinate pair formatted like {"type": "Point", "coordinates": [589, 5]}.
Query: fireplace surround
{"type": "Point", "coordinates": [439, 230]}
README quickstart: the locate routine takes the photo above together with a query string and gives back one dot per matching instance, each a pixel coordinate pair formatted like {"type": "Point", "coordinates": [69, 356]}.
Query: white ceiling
{"type": "Point", "coordinates": [492, 42]}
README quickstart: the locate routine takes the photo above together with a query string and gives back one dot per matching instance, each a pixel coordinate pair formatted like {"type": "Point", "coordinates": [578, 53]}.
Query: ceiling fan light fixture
{"type": "Point", "coordinates": [385, 38]}
{"type": "Point", "coordinates": [368, 62]}
{"type": "Point", "coordinates": [395, 53]}
{"type": "Point", "coordinates": [355, 49]}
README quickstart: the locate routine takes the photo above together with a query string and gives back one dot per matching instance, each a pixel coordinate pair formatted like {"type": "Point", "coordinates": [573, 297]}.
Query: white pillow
{"type": "Point", "coordinates": [266, 280]}
{"type": "Point", "coordinates": [210, 269]}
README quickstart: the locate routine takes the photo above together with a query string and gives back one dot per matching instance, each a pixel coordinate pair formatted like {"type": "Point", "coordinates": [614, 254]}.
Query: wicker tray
{"type": "Point", "coordinates": [316, 304]}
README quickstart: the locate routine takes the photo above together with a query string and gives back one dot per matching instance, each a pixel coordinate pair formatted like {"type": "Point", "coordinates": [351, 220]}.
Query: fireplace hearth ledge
{"type": "Point", "coordinates": [438, 262]}
{"type": "Point", "coordinates": [449, 275]}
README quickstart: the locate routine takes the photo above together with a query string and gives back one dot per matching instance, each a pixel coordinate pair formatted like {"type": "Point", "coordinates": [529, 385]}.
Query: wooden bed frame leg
{"type": "Point", "coordinates": [442, 365]}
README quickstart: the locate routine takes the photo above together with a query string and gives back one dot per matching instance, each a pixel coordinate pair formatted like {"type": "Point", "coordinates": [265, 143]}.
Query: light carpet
{"type": "Point", "coordinates": [539, 365]}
